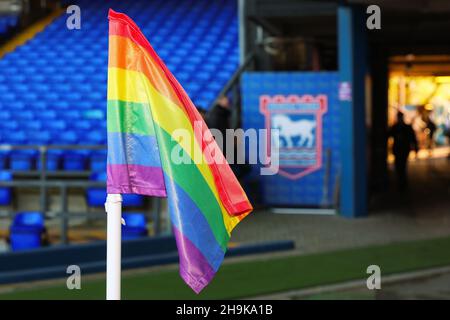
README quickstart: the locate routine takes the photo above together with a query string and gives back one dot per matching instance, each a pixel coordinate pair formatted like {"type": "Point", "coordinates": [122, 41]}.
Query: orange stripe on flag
{"type": "Point", "coordinates": [132, 56]}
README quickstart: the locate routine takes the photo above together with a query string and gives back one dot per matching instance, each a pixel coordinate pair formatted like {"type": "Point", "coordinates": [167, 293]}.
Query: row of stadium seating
{"type": "Point", "coordinates": [53, 87]}
{"type": "Point", "coordinates": [56, 132]}
{"type": "Point", "coordinates": [27, 231]}
{"type": "Point", "coordinates": [28, 228]}
{"type": "Point", "coordinates": [74, 160]}
{"type": "Point", "coordinates": [95, 196]}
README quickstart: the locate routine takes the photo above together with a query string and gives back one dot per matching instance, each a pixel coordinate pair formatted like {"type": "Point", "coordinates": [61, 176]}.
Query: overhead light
{"type": "Point", "coordinates": [442, 79]}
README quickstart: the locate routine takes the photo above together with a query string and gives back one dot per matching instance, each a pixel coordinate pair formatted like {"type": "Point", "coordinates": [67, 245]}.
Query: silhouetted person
{"type": "Point", "coordinates": [431, 129]}
{"type": "Point", "coordinates": [404, 140]}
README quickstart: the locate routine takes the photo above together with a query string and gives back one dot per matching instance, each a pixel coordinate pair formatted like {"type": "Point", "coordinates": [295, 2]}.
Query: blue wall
{"type": "Point", "coordinates": [279, 190]}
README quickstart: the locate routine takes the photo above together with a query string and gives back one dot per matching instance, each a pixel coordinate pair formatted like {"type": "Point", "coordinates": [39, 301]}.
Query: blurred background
{"type": "Point", "coordinates": [358, 184]}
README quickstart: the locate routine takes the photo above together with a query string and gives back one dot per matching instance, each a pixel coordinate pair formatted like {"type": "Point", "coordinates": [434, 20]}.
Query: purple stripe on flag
{"type": "Point", "coordinates": [194, 268]}
{"type": "Point", "coordinates": [131, 178]}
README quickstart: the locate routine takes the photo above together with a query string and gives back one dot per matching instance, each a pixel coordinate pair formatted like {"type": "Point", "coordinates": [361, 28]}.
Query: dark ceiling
{"type": "Point", "coordinates": [407, 26]}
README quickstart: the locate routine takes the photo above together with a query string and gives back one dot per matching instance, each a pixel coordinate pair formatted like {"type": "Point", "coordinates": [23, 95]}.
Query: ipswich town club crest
{"type": "Point", "coordinates": [299, 121]}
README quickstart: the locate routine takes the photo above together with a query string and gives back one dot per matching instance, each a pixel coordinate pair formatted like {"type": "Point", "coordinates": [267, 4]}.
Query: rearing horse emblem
{"type": "Point", "coordinates": [298, 120]}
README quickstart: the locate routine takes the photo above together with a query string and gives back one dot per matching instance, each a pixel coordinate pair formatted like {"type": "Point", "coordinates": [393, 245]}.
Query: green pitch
{"type": "Point", "coordinates": [261, 276]}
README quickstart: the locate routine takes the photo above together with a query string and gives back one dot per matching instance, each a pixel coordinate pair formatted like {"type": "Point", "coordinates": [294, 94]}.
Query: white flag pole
{"type": "Point", "coordinates": [113, 208]}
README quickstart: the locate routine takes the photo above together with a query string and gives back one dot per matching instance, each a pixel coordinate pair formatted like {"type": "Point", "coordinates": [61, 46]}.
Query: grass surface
{"type": "Point", "coordinates": [257, 277]}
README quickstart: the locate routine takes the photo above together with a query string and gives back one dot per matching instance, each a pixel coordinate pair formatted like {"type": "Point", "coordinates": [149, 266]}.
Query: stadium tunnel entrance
{"type": "Point", "coordinates": [409, 63]}
{"type": "Point", "coordinates": [401, 66]}
{"type": "Point", "coordinates": [418, 88]}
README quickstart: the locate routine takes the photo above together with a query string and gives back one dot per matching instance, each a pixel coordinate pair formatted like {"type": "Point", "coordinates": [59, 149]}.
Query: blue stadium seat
{"type": "Point", "coordinates": [26, 231]}
{"type": "Point", "coordinates": [46, 115]}
{"type": "Point", "coordinates": [5, 192]}
{"type": "Point", "coordinates": [135, 226]}
{"type": "Point", "coordinates": [94, 137]}
{"type": "Point", "coordinates": [53, 162]}
{"type": "Point", "coordinates": [12, 125]}
{"type": "Point", "coordinates": [70, 115]}
{"type": "Point", "coordinates": [96, 196]}
{"type": "Point", "coordinates": [40, 138]}
{"type": "Point", "coordinates": [23, 159]}
{"type": "Point", "coordinates": [5, 115]}
{"type": "Point", "coordinates": [74, 160]}
{"type": "Point", "coordinates": [81, 126]}
{"type": "Point", "coordinates": [56, 125]}
{"type": "Point", "coordinates": [65, 137]}
{"type": "Point", "coordinates": [94, 114]}
{"type": "Point", "coordinates": [132, 200]}
{"type": "Point", "coordinates": [31, 126]}
{"type": "Point", "coordinates": [97, 161]}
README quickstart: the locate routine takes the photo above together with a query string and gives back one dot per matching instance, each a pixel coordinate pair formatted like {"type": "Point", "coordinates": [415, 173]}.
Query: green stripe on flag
{"type": "Point", "coordinates": [130, 117]}
{"type": "Point", "coordinates": [189, 178]}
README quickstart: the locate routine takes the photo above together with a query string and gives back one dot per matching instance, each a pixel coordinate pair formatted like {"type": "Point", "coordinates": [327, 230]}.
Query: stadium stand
{"type": "Point", "coordinates": [53, 87]}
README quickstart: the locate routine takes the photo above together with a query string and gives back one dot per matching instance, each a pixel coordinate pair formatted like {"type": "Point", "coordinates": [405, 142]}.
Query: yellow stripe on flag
{"type": "Point", "coordinates": [134, 86]}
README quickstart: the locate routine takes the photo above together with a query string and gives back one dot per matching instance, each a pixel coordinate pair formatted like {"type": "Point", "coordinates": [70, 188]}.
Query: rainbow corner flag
{"type": "Point", "coordinates": [146, 107]}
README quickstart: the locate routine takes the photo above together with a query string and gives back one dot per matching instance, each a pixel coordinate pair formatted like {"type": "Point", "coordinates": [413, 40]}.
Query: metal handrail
{"type": "Point", "coordinates": [44, 184]}
{"type": "Point", "coordinates": [9, 147]}
{"type": "Point", "coordinates": [43, 158]}
{"type": "Point", "coordinates": [53, 173]}
{"type": "Point", "coordinates": [52, 183]}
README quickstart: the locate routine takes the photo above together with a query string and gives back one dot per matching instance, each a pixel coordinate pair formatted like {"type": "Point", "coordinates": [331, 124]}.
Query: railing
{"type": "Point", "coordinates": [54, 179]}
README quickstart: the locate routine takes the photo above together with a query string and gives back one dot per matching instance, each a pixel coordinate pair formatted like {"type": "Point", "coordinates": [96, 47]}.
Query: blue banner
{"type": "Point", "coordinates": [303, 107]}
